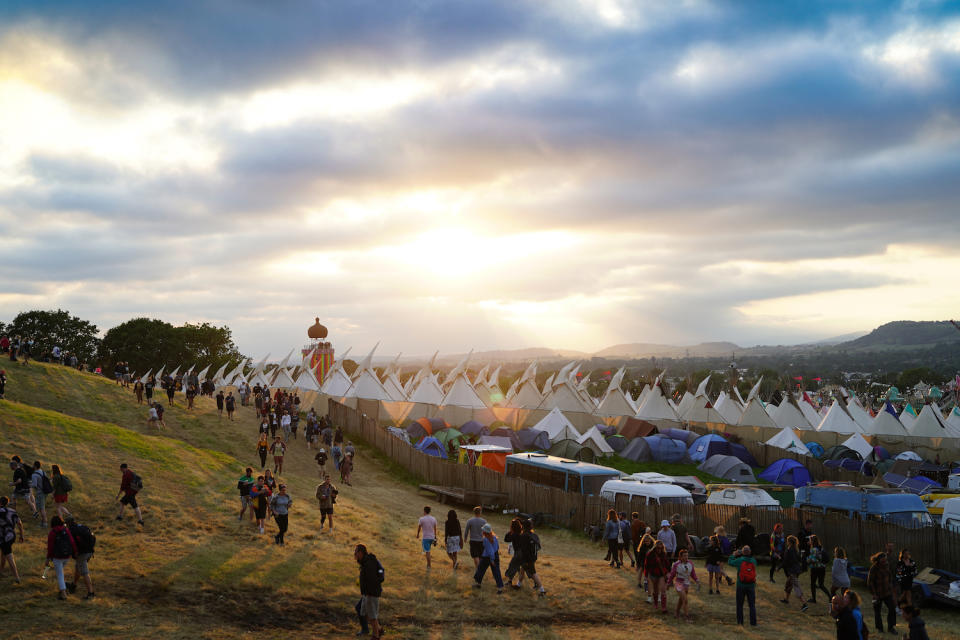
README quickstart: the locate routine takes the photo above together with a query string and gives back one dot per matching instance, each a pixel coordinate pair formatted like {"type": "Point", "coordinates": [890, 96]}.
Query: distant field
{"type": "Point", "coordinates": [195, 572]}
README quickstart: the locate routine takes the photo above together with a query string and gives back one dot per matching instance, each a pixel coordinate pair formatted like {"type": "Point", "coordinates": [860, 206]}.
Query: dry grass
{"type": "Point", "coordinates": [196, 572]}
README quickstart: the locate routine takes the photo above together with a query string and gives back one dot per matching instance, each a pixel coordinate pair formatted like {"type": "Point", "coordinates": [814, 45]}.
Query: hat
{"type": "Point", "coordinates": [665, 523]}
{"type": "Point", "coordinates": [487, 529]}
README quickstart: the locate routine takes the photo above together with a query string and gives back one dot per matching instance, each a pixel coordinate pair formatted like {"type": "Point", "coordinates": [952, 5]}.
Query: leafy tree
{"type": "Point", "coordinates": [57, 328]}
{"type": "Point", "coordinates": [147, 343]}
{"type": "Point", "coordinates": [911, 377]}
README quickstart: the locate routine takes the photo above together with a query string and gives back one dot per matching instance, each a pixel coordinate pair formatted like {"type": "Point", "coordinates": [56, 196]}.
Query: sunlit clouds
{"type": "Point", "coordinates": [489, 175]}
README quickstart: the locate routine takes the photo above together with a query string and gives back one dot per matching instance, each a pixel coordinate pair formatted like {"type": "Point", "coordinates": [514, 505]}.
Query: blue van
{"type": "Point", "coordinates": [879, 505]}
{"type": "Point", "coordinates": [570, 475]}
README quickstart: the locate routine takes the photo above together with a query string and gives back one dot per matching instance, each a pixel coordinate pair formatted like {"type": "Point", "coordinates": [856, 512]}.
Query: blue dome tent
{"type": "Point", "coordinates": [664, 449]}
{"type": "Point", "coordinates": [432, 447]}
{"type": "Point", "coordinates": [787, 471]}
{"type": "Point", "coordinates": [709, 445]}
{"type": "Point", "coordinates": [815, 449]}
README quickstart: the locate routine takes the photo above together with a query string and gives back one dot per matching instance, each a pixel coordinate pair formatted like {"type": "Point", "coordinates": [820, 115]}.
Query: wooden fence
{"type": "Point", "coordinates": [931, 546]}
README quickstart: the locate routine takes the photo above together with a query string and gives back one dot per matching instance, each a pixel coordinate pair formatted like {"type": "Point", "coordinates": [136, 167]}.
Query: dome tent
{"type": "Point", "coordinates": [664, 449]}
{"type": "Point", "coordinates": [419, 428]}
{"type": "Point", "coordinates": [571, 450]}
{"type": "Point", "coordinates": [787, 471]}
{"type": "Point", "coordinates": [743, 454]}
{"type": "Point", "coordinates": [815, 448]}
{"type": "Point", "coordinates": [728, 467]}
{"type": "Point", "coordinates": [638, 450]}
{"type": "Point", "coordinates": [473, 429]}
{"type": "Point", "coordinates": [617, 442]}
{"type": "Point", "coordinates": [509, 434]}
{"type": "Point", "coordinates": [680, 434]}
{"type": "Point", "coordinates": [432, 447]}
{"type": "Point", "coordinates": [707, 446]}
{"type": "Point", "coordinates": [533, 439]}
{"type": "Point", "coordinates": [839, 452]}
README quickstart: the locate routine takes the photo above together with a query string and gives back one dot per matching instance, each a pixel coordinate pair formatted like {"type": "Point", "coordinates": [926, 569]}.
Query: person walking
{"type": "Point", "coordinates": [656, 566]}
{"type": "Point", "coordinates": [269, 481]}
{"type": "Point", "coordinates": [42, 487]}
{"type": "Point", "coordinates": [138, 390]}
{"type": "Point", "coordinates": [614, 537]}
{"type": "Point", "coordinates": [326, 498]}
{"type": "Point", "coordinates": [473, 534]}
{"type": "Point", "coordinates": [906, 571]}
{"type": "Point", "coordinates": [371, 589]}
{"type": "Point", "coordinates": [21, 485]}
{"type": "Point", "coordinates": [10, 524]}
{"type": "Point", "coordinates": [530, 551]}
{"type": "Point", "coordinates": [62, 486]}
{"type": "Point", "coordinates": [346, 468]}
{"type": "Point", "coordinates": [839, 577]}
{"type": "Point", "coordinates": [714, 562]}
{"type": "Point", "coordinates": [793, 567]}
{"type": "Point", "coordinates": [746, 534]}
{"type": "Point", "coordinates": [130, 486]}
{"type": "Point", "coordinates": [880, 583]}
{"type": "Point", "coordinates": [321, 459]}
{"type": "Point", "coordinates": [3, 383]}
{"type": "Point", "coordinates": [680, 531]}
{"type": "Point", "coordinates": [277, 449]}
{"type": "Point", "coordinates": [626, 540]}
{"type": "Point", "coordinates": [917, 627]}
{"type": "Point", "coordinates": [643, 549]}
{"type": "Point", "coordinates": [148, 388]}
{"type": "Point", "coordinates": [682, 575]}
{"type": "Point", "coordinates": [817, 564]}
{"type": "Point", "coordinates": [61, 547]}
{"type": "Point", "coordinates": [489, 560]}
{"type": "Point", "coordinates": [260, 494]}
{"type": "Point", "coordinates": [280, 505]}
{"type": "Point", "coordinates": [244, 484]}
{"type": "Point", "coordinates": [742, 560]}
{"type": "Point", "coordinates": [778, 546]}
{"type": "Point", "coordinates": [427, 525]}
{"type": "Point", "coordinates": [285, 425]}
{"type": "Point", "coordinates": [171, 388]}
{"type": "Point", "coordinates": [336, 452]}
{"type": "Point", "coordinates": [512, 537]}
{"type": "Point", "coordinates": [668, 537]}
{"type": "Point", "coordinates": [230, 403]}
{"type": "Point", "coordinates": [452, 538]}
{"type": "Point", "coordinates": [85, 541]}
{"type": "Point", "coordinates": [220, 400]}
{"type": "Point", "coordinates": [263, 447]}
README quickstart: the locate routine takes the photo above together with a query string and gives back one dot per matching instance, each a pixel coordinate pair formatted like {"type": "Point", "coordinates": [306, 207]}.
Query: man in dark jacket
{"type": "Point", "coordinates": [746, 534]}
{"type": "Point", "coordinates": [371, 580]}
{"type": "Point", "coordinates": [880, 582]}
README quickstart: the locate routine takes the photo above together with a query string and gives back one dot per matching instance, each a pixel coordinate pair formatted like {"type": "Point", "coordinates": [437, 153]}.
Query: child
{"type": "Point", "coordinates": [839, 578]}
{"type": "Point", "coordinates": [714, 560]}
{"type": "Point", "coordinates": [681, 575]}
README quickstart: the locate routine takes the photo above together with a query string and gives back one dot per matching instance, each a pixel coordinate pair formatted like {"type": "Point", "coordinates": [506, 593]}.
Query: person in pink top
{"type": "Point", "coordinates": [428, 526]}
{"type": "Point", "coordinates": [61, 547]}
{"type": "Point", "coordinates": [682, 575]}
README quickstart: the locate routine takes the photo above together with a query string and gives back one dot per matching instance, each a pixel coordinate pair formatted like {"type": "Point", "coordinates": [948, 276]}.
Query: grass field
{"type": "Point", "coordinates": [194, 571]}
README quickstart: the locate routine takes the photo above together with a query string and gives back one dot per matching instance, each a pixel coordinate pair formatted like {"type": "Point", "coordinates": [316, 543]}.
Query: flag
{"type": "Point", "coordinates": [818, 379]}
{"type": "Point", "coordinates": [798, 377]}
{"type": "Point", "coordinates": [889, 409]}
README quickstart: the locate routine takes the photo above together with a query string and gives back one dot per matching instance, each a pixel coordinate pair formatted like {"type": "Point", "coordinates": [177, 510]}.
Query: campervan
{"type": "Point", "coordinates": [935, 500]}
{"type": "Point", "coordinates": [950, 519]}
{"type": "Point", "coordinates": [649, 492]}
{"type": "Point", "coordinates": [550, 471]}
{"type": "Point", "coordinates": [741, 496]}
{"type": "Point", "coordinates": [880, 505]}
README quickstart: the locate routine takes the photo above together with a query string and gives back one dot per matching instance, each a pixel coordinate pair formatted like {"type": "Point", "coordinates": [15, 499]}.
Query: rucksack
{"type": "Point", "coordinates": [61, 544]}
{"type": "Point", "coordinates": [8, 531]}
{"type": "Point", "coordinates": [67, 485]}
{"type": "Point", "coordinates": [136, 482]}
{"type": "Point", "coordinates": [83, 537]}
{"type": "Point", "coordinates": [534, 547]}
{"type": "Point", "coordinates": [747, 573]}
{"type": "Point", "coordinates": [45, 485]}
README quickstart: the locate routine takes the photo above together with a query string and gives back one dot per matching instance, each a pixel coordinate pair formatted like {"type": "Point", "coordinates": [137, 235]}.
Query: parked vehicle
{"type": "Point", "coordinates": [649, 492]}
{"type": "Point", "coordinates": [562, 473]}
{"type": "Point", "coordinates": [741, 496]}
{"type": "Point", "coordinates": [953, 481]}
{"type": "Point", "coordinates": [880, 505]}
{"type": "Point", "coordinates": [935, 500]}
{"type": "Point", "coordinates": [950, 517]}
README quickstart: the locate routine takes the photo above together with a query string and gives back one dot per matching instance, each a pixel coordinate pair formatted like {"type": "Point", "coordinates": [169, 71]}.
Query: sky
{"type": "Point", "coordinates": [491, 174]}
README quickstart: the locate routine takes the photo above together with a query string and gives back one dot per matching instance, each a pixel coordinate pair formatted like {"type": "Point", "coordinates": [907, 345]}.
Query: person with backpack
{"type": "Point", "coordinates": [371, 588]}
{"type": "Point", "coordinates": [244, 484]}
{"type": "Point", "coordinates": [9, 525]}
{"type": "Point", "coordinates": [277, 449]}
{"type": "Point", "coordinates": [130, 486]}
{"type": "Point", "coordinates": [231, 404]}
{"type": "Point", "coordinates": [742, 560]}
{"type": "Point", "coordinates": [321, 459]}
{"type": "Point", "coordinates": [85, 541]}
{"type": "Point", "coordinates": [61, 488]}
{"type": "Point", "coordinates": [817, 563]}
{"type": "Point", "coordinates": [280, 504]}
{"type": "Point", "coordinates": [260, 494]}
{"type": "Point", "coordinates": [21, 485]}
{"type": "Point", "coordinates": [529, 544]}
{"type": "Point", "coordinates": [326, 498]}
{"type": "Point", "coordinates": [793, 567]}
{"type": "Point", "coordinates": [42, 487]}
{"type": "Point", "coordinates": [61, 547]}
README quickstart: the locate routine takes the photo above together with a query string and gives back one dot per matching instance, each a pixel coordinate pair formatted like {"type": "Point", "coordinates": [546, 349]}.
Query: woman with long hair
{"type": "Point", "coordinates": [714, 562]}
{"type": "Point", "coordinates": [513, 538]}
{"type": "Point", "coordinates": [682, 574]}
{"type": "Point", "coordinates": [839, 578]}
{"type": "Point", "coordinates": [906, 570]}
{"type": "Point", "coordinates": [817, 563]}
{"type": "Point", "coordinates": [656, 565]}
{"type": "Point", "coordinates": [263, 445]}
{"type": "Point", "coordinates": [645, 546]}
{"type": "Point", "coordinates": [778, 544]}
{"type": "Point", "coordinates": [269, 480]}
{"type": "Point", "coordinates": [792, 566]}
{"type": "Point", "coordinates": [452, 536]}
{"type": "Point", "coordinates": [61, 487]}
{"type": "Point", "coordinates": [611, 533]}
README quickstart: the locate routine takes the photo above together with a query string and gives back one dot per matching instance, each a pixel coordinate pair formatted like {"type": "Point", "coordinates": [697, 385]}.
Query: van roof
{"type": "Point", "coordinates": [632, 485]}
{"type": "Point", "coordinates": [561, 464]}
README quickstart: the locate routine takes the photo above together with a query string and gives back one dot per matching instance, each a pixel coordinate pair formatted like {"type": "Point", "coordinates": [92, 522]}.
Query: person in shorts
{"type": "Point", "coordinates": [85, 543]}
{"type": "Point", "coordinates": [129, 494]}
{"type": "Point", "coordinates": [39, 495]}
{"type": "Point", "coordinates": [244, 484]}
{"type": "Point", "coordinates": [21, 485]}
{"type": "Point", "coordinates": [371, 588]}
{"type": "Point", "coordinates": [428, 526]}
{"type": "Point", "coordinates": [9, 525]}
{"type": "Point", "coordinates": [277, 449]}
{"type": "Point", "coordinates": [473, 533]}
{"type": "Point", "coordinates": [321, 459]}
{"type": "Point", "coordinates": [452, 536]}
{"type": "Point", "coordinates": [326, 498]}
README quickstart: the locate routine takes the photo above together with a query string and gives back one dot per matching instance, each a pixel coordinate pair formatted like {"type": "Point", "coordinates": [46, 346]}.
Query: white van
{"type": "Point", "coordinates": [651, 492]}
{"type": "Point", "coordinates": [744, 497]}
{"type": "Point", "coordinates": [950, 520]}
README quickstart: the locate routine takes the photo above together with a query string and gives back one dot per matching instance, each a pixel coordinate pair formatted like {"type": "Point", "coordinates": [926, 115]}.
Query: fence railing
{"type": "Point", "coordinates": [930, 546]}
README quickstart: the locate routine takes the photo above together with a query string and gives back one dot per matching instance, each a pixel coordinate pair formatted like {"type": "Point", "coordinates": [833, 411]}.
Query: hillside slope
{"type": "Point", "coordinates": [906, 333]}
{"type": "Point", "coordinates": [194, 571]}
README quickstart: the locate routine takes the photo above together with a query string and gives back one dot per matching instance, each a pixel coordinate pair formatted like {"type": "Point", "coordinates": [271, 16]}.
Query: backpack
{"type": "Point", "coordinates": [45, 485]}
{"type": "Point", "coordinates": [67, 485]}
{"type": "Point", "coordinates": [61, 545]}
{"type": "Point", "coordinates": [747, 573]}
{"type": "Point", "coordinates": [136, 482]}
{"type": "Point", "coordinates": [83, 537]}
{"type": "Point", "coordinates": [534, 547]}
{"type": "Point", "coordinates": [8, 531]}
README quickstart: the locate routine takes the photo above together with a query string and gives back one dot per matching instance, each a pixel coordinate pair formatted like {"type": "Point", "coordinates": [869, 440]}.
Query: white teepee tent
{"type": "Point", "coordinates": [789, 440]}
{"type": "Point", "coordinates": [557, 426]}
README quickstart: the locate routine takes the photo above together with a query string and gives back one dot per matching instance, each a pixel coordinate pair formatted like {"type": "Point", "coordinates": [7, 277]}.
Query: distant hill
{"type": "Point", "coordinates": [906, 333]}
{"type": "Point", "coordinates": [645, 350]}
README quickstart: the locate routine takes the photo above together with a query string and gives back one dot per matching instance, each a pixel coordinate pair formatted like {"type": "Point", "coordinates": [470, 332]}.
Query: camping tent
{"type": "Point", "coordinates": [743, 454]}
{"type": "Point", "coordinates": [838, 452]}
{"type": "Point", "coordinates": [571, 450]}
{"type": "Point", "coordinates": [506, 443]}
{"type": "Point", "coordinates": [729, 467]}
{"type": "Point", "coordinates": [533, 439]}
{"type": "Point", "coordinates": [786, 471]}
{"type": "Point", "coordinates": [707, 446]}
{"type": "Point", "coordinates": [664, 449]}
{"type": "Point", "coordinates": [594, 440]}
{"type": "Point", "coordinates": [473, 429]}
{"type": "Point", "coordinates": [509, 434]}
{"type": "Point", "coordinates": [637, 428]}
{"type": "Point", "coordinates": [908, 455]}
{"type": "Point", "coordinates": [450, 438]}
{"type": "Point", "coordinates": [858, 444]}
{"type": "Point", "coordinates": [557, 426]}
{"type": "Point", "coordinates": [680, 434]}
{"type": "Point", "coordinates": [399, 433]}
{"type": "Point", "coordinates": [788, 440]}
{"type": "Point", "coordinates": [638, 450]}
{"type": "Point", "coordinates": [484, 455]}
{"type": "Point", "coordinates": [419, 428]}
{"type": "Point", "coordinates": [432, 447]}
{"type": "Point", "coordinates": [617, 442]}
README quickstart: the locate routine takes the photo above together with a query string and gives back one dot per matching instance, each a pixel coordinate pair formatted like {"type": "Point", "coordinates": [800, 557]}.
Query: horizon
{"type": "Point", "coordinates": [564, 175]}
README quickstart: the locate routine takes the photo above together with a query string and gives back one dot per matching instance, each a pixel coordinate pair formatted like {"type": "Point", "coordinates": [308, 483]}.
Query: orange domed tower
{"type": "Point", "coordinates": [320, 352]}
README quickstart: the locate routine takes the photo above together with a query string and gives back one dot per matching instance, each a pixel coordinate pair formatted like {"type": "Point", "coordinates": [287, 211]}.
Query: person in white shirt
{"type": "Point", "coordinates": [428, 526]}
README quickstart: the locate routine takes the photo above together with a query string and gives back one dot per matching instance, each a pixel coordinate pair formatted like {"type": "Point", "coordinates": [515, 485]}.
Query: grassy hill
{"type": "Point", "coordinates": [194, 571]}
{"type": "Point", "coordinates": [905, 333]}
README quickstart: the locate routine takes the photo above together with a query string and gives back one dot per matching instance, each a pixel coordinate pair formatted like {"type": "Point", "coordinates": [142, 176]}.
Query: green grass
{"type": "Point", "coordinates": [196, 572]}
{"type": "Point", "coordinates": [666, 468]}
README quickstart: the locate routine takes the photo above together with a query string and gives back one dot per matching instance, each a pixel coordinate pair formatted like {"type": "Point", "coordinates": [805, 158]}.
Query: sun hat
{"type": "Point", "coordinates": [665, 523]}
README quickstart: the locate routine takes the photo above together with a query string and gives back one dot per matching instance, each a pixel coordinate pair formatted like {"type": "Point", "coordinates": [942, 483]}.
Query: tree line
{"type": "Point", "coordinates": [143, 343]}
